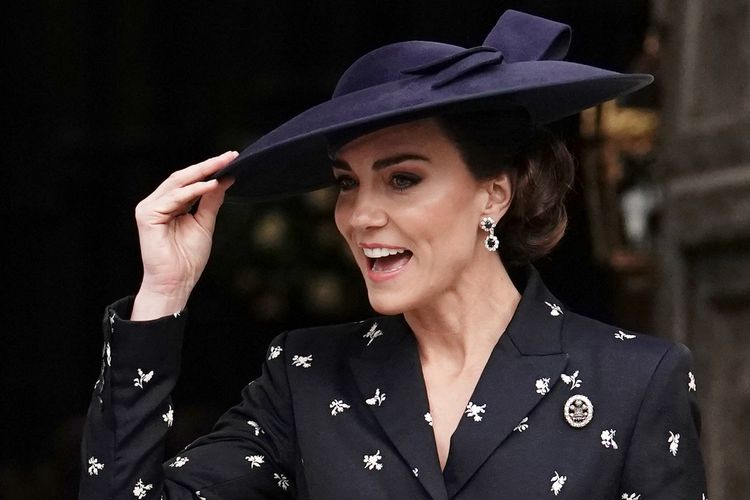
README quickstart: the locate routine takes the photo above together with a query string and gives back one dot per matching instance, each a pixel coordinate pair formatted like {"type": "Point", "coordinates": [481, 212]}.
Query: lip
{"type": "Point", "coordinates": [380, 276]}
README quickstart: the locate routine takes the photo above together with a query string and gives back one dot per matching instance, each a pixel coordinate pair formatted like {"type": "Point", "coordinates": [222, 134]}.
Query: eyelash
{"type": "Point", "coordinates": [346, 182]}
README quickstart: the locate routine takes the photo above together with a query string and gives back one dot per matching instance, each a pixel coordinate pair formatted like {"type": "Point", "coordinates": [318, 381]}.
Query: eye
{"type": "Point", "coordinates": [345, 182]}
{"type": "Point", "coordinates": [404, 181]}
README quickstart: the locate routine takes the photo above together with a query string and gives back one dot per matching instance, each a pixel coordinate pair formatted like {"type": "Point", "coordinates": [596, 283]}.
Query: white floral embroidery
{"type": "Point", "coordinates": [373, 461]}
{"type": "Point", "coordinates": [141, 489]}
{"type": "Point", "coordinates": [415, 471]}
{"type": "Point", "coordinates": [337, 406]}
{"type": "Point", "coordinates": [377, 399]}
{"type": "Point", "coordinates": [572, 380]}
{"type": "Point", "coordinates": [522, 425]}
{"type": "Point", "coordinates": [108, 353]}
{"type": "Point", "coordinates": [630, 496]}
{"type": "Point", "coordinates": [169, 416]}
{"type": "Point", "coordinates": [283, 482]}
{"type": "Point", "coordinates": [608, 438]}
{"type": "Point", "coordinates": [274, 352]}
{"type": "Point", "coordinates": [112, 320]}
{"type": "Point", "coordinates": [703, 496]}
{"type": "Point", "coordinates": [374, 333]}
{"type": "Point", "coordinates": [555, 310]}
{"type": "Point", "coordinates": [620, 335]}
{"type": "Point", "coordinates": [542, 386]}
{"type": "Point", "coordinates": [674, 443]}
{"type": "Point", "coordinates": [256, 428]}
{"type": "Point", "coordinates": [475, 411]}
{"type": "Point", "coordinates": [255, 460]}
{"type": "Point", "coordinates": [303, 361]}
{"type": "Point", "coordinates": [691, 383]}
{"type": "Point", "coordinates": [198, 494]}
{"type": "Point", "coordinates": [557, 483]}
{"type": "Point", "coordinates": [179, 462]}
{"type": "Point", "coordinates": [176, 315]}
{"type": "Point", "coordinates": [94, 466]}
{"type": "Point", "coordinates": [142, 378]}
{"type": "Point", "coordinates": [428, 418]}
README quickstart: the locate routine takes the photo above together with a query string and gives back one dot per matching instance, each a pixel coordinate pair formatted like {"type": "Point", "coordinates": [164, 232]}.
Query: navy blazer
{"type": "Point", "coordinates": [341, 412]}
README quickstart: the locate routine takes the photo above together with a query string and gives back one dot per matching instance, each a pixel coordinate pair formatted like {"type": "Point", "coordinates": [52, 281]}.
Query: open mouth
{"type": "Point", "coordinates": [384, 260]}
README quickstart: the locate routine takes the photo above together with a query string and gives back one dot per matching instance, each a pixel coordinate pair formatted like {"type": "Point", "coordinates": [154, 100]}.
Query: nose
{"type": "Point", "coordinates": [367, 212]}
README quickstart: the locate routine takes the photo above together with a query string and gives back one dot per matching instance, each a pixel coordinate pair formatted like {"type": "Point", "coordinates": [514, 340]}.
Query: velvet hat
{"type": "Point", "coordinates": [519, 64]}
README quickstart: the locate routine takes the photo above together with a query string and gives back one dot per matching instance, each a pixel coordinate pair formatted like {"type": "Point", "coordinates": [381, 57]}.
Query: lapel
{"type": "Point", "coordinates": [391, 364]}
{"type": "Point", "coordinates": [528, 351]}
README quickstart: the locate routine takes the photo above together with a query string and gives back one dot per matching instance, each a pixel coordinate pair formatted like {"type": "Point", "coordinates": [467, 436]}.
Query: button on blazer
{"type": "Point", "coordinates": [341, 412]}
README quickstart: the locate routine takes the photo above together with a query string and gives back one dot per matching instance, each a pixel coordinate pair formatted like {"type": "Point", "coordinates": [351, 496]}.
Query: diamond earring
{"type": "Point", "coordinates": [488, 224]}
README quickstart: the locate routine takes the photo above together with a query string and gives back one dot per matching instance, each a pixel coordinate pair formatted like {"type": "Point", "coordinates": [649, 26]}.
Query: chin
{"type": "Point", "coordinates": [387, 304]}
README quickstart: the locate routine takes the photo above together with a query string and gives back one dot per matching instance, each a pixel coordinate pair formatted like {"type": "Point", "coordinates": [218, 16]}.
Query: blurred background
{"type": "Point", "coordinates": [105, 99]}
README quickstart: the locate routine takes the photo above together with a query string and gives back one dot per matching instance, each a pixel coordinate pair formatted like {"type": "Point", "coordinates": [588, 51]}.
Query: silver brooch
{"type": "Point", "coordinates": [578, 411]}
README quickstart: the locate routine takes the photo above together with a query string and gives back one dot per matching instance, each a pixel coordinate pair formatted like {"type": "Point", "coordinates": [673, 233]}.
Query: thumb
{"type": "Point", "coordinates": [209, 204]}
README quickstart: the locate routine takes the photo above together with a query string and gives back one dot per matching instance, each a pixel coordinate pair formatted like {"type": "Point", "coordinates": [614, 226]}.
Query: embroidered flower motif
{"type": "Point", "coordinates": [558, 482]}
{"type": "Point", "coordinates": [176, 315]}
{"type": "Point", "coordinates": [169, 416]}
{"type": "Point", "coordinates": [112, 320]}
{"type": "Point", "coordinates": [415, 471]}
{"type": "Point", "coordinates": [256, 428]}
{"type": "Point", "coordinates": [608, 438]}
{"type": "Point", "coordinates": [198, 494]}
{"type": "Point", "coordinates": [377, 399]}
{"type": "Point", "coordinates": [522, 425]}
{"type": "Point", "coordinates": [428, 418]}
{"type": "Point", "coordinates": [475, 411]}
{"type": "Point", "coordinates": [691, 383]}
{"type": "Point", "coordinates": [674, 443]}
{"type": "Point", "coordinates": [141, 489]}
{"type": "Point", "coordinates": [703, 496]}
{"type": "Point", "coordinates": [572, 380]}
{"type": "Point", "coordinates": [555, 310]}
{"type": "Point", "coordinates": [94, 466]}
{"type": "Point", "coordinates": [630, 496]}
{"type": "Point", "coordinates": [142, 378]}
{"type": "Point", "coordinates": [283, 482]}
{"type": "Point", "coordinates": [107, 354]}
{"type": "Point", "coordinates": [303, 361]}
{"type": "Point", "coordinates": [179, 462]}
{"type": "Point", "coordinates": [337, 406]}
{"type": "Point", "coordinates": [373, 461]}
{"type": "Point", "coordinates": [374, 333]}
{"type": "Point", "coordinates": [542, 386]}
{"type": "Point", "coordinates": [255, 460]}
{"type": "Point", "coordinates": [274, 352]}
{"type": "Point", "coordinates": [620, 335]}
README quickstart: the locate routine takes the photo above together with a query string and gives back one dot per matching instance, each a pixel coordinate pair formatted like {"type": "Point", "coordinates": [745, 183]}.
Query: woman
{"type": "Point", "coordinates": [475, 382]}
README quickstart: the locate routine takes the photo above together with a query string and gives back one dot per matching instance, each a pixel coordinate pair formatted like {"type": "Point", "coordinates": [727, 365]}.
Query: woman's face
{"type": "Point", "coordinates": [410, 209]}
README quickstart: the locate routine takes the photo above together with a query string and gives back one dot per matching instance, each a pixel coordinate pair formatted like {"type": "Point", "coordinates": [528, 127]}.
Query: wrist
{"type": "Point", "coordinates": [151, 304]}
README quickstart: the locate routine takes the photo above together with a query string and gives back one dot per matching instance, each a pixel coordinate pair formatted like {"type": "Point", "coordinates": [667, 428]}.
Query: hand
{"type": "Point", "coordinates": [175, 244]}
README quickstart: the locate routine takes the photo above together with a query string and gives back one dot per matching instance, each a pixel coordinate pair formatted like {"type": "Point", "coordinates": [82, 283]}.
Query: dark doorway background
{"type": "Point", "coordinates": [104, 99]}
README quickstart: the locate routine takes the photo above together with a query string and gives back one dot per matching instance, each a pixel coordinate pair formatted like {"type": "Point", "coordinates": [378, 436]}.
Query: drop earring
{"type": "Point", "coordinates": [488, 224]}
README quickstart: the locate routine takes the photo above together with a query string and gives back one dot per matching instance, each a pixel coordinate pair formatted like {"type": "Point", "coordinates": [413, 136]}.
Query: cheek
{"type": "Point", "coordinates": [341, 216]}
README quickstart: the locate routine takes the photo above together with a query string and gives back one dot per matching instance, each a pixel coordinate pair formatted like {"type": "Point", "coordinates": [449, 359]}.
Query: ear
{"type": "Point", "coordinates": [500, 194]}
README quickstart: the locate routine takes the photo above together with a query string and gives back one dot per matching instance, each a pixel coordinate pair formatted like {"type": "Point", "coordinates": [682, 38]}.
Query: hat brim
{"type": "Point", "coordinates": [293, 158]}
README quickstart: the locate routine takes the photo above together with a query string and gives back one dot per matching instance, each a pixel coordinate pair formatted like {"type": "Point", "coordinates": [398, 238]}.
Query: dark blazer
{"type": "Point", "coordinates": [341, 412]}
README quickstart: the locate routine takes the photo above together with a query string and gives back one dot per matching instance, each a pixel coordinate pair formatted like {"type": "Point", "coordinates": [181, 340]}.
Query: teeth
{"type": "Point", "coordinates": [376, 253]}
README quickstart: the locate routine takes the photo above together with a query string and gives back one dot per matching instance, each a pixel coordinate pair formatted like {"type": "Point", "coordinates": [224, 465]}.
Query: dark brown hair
{"type": "Point", "coordinates": [540, 168]}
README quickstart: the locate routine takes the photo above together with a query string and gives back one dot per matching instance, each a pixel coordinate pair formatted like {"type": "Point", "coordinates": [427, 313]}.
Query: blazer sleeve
{"type": "Point", "coordinates": [249, 453]}
{"type": "Point", "coordinates": [664, 460]}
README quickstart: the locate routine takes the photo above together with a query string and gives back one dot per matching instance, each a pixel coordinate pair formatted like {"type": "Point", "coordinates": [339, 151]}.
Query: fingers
{"type": "Point", "coordinates": [161, 209]}
{"type": "Point", "coordinates": [210, 203]}
{"type": "Point", "coordinates": [195, 173]}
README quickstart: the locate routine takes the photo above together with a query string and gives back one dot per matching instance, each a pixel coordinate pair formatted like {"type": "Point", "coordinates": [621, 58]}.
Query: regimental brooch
{"type": "Point", "coordinates": [578, 411]}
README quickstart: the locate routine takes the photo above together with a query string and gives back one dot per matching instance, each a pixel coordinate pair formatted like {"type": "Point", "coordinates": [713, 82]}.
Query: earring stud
{"type": "Point", "coordinates": [487, 224]}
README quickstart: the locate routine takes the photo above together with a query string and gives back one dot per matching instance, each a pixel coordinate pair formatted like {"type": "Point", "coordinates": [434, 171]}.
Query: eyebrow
{"type": "Point", "coordinates": [383, 162]}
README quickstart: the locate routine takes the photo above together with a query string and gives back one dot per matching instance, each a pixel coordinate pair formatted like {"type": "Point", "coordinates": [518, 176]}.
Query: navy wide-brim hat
{"type": "Point", "coordinates": [518, 65]}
